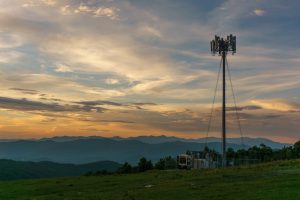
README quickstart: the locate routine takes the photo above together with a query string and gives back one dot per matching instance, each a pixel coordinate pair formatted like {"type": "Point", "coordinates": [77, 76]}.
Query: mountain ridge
{"type": "Point", "coordinates": [248, 141]}
{"type": "Point", "coordinates": [81, 149]}
{"type": "Point", "coordinates": [14, 170]}
{"type": "Point", "coordinates": [90, 150]}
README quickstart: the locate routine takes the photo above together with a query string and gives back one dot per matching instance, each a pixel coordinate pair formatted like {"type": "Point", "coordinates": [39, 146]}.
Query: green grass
{"type": "Point", "coordinates": [277, 180]}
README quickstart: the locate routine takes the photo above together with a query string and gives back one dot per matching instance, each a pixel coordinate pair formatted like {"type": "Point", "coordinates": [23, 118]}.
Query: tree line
{"type": "Point", "coordinates": [255, 154]}
{"type": "Point", "coordinates": [142, 166]}
{"type": "Point", "coordinates": [263, 153]}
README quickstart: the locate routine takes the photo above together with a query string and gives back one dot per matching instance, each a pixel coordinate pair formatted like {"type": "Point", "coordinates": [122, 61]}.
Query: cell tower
{"type": "Point", "coordinates": [221, 47]}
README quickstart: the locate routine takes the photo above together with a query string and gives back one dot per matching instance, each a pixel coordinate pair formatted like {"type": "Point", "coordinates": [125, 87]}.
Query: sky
{"type": "Point", "coordinates": [139, 67]}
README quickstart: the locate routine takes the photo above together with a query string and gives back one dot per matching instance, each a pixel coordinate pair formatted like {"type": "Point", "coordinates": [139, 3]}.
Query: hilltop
{"type": "Point", "coordinates": [270, 181]}
{"type": "Point", "coordinates": [13, 170]}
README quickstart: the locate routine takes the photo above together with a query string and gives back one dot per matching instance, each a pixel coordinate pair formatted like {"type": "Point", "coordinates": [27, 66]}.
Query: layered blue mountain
{"type": "Point", "coordinates": [79, 150]}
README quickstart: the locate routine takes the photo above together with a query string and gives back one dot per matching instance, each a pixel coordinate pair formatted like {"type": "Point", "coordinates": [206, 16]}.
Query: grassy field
{"type": "Point", "coordinates": [277, 180]}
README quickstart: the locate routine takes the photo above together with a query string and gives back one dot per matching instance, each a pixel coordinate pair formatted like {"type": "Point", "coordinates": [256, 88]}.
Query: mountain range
{"type": "Point", "coordinates": [247, 141]}
{"type": "Point", "coordinates": [79, 150]}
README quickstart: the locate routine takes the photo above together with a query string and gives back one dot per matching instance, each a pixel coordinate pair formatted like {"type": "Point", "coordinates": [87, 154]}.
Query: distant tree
{"type": "Point", "coordinates": [170, 163]}
{"type": "Point", "coordinates": [160, 164]}
{"type": "Point", "coordinates": [263, 153]}
{"type": "Point", "coordinates": [254, 152]}
{"type": "Point", "coordinates": [297, 149]}
{"type": "Point", "coordinates": [242, 153]}
{"type": "Point", "coordinates": [149, 165]}
{"type": "Point", "coordinates": [135, 169]}
{"type": "Point", "coordinates": [125, 169]}
{"type": "Point", "coordinates": [266, 153]}
{"type": "Point", "coordinates": [277, 154]}
{"type": "Point", "coordinates": [230, 153]}
{"type": "Point", "coordinates": [206, 149]}
{"type": "Point", "coordinates": [89, 173]}
{"type": "Point", "coordinates": [289, 153]}
{"type": "Point", "coordinates": [166, 163]}
{"type": "Point", "coordinates": [102, 172]}
{"type": "Point", "coordinates": [144, 165]}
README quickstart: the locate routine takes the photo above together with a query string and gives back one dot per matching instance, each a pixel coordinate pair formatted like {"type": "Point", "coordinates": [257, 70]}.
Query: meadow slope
{"type": "Point", "coordinates": [276, 180]}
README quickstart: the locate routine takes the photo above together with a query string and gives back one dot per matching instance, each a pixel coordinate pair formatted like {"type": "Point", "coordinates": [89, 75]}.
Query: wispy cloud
{"type": "Point", "coordinates": [107, 12]}
{"type": "Point", "coordinates": [28, 105]}
{"type": "Point", "coordinates": [63, 68]}
{"type": "Point", "coordinates": [279, 105]}
{"type": "Point", "coordinates": [25, 91]}
{"type": "Point", "coordinates": [76, 56]}
{"type": "Point", "coordinates": [10, 56]}
{"type": "Point", "coordinates": [111, 81]}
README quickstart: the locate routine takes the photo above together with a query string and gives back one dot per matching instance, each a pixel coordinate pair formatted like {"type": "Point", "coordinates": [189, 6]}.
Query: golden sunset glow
{"type": "Point", "coordinates": [118, 68]}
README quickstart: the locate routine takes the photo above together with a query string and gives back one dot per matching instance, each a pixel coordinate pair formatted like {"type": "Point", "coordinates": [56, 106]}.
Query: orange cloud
{"type": "Point", "coordinates": [259, 12]}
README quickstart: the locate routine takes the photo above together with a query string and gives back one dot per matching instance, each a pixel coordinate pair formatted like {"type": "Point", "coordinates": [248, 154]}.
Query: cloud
{"type": "Point", "coordinates": [50, 86]}
{"type": "Point", "coordinates": [111, 81]}
{"type": "Point", "coordinates": [48, 120]}
{"type": "Point", "coordinates": [83, 9]}
{"type": "Point", "coordinates": [34, 3]}
{"type": "Point", "coordinates": [107, 121]}
{"type": "Point", "coordinates": [259, 12]}
{"type": "Point", "coordinates": [150, 31]}
{"type": "Point", "coordinates": [10, 56]}
{"type": "Point", "coordinates": [25, 91]}
{"type": "Point", "coordinates": [98, 102]}
{"type": "Point", "coordinates": [107, 12]}
{"type": "Point", "coordinates": [50, 2]}
{"type": "Point", "coordinates": [66, 10]}
{"type": "Point", "coordinates": [145, 104]}
{"type": "Point", "coordinates": [63, 68]}
{"type": "Point", "coordinates": [242, 108]}
{"type": "Point", "coordinates": [28, 105]}
{"type": "Point", "coordinates": [50, 99]}
{"type": "Point", "coordinates": [10, 40]}
{"type": "Point", "coordinates": [279, 105]}
{"type": "Point", "coordinates": [92, 10]}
